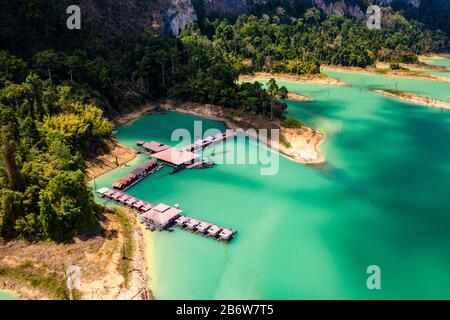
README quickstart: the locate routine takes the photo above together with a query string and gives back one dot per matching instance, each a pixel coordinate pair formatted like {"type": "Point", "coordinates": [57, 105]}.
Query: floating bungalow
{"type": "Point", "coordinates": [115, 196]}
{"type": "Point", "coordinates": [153, 146]}
{"type": "Point", "coordinates": [226, 234]}
{"type": "Point", "coordinates": [124, 198]}
{"type": "Point", "coordinates": [181, 221]}
{"type": "Point", "coordinates": [176, 157]}
{"type": "Point", "coordinates": [131, 201]}
{"type": "Point", "coordinates": [203, 226]}
{"type": "Point", "coordinates": [146, 207]}
{"type": "Point", "coordinates": [136, 175]}
{"type": "Point", "coordinates": [192, 223]}
{"type": "Point", "coordinates": [138, 204]}
{"type": "Point", "coordinates": [161, 216]}
{"type": "Point", "coordinates": [210, 140]}
{"type": "Point", "coordinates": [191, 147]}
{"type": "Point", "coordinates": [214, 231]}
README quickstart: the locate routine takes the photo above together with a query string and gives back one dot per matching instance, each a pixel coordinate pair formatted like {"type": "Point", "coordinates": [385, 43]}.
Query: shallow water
{"type": "Point", "coordinates": [381, 199]}
{"type": "Point", "coordinates": [8, 296]}
{"type": "Point", "coordinates": [443, 62]}
{"type": "Point", "coordinates": [438, 62]}
{"type": "Point", "coordinates": [363, 81]}
{"type": "Point", "coordinates": [445, 74]}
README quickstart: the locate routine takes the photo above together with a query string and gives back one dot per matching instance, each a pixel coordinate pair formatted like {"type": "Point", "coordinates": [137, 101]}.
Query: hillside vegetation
{"type": "Point", "coordinates": [59, 89]}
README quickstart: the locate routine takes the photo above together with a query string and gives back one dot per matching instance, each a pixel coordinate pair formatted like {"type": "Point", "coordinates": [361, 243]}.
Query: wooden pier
{"type": "Point", "coordinates": [204, 228]}
{"type": "Point", "coordinates": [154, 147]}
{"type": "Point", "coordinates": [137, 175]}
{"type": "Point", "coordinates": [211, 140]}
{"type": "Point", "coordinates": [162, 217]}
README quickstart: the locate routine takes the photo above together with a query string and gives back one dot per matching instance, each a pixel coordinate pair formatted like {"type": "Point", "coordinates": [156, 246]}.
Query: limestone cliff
{"type": "Point", "coordinates": [128, 18]}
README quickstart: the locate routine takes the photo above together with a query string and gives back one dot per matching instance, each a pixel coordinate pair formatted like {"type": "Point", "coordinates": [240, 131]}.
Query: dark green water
{"type": "Point", "coordinates": [305, 233]}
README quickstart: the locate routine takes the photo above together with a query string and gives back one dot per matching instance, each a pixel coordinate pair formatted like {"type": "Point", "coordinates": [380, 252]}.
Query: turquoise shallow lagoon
{"type": "Point", "coordinates": [443, 62]}
{"type": "Point", "coordinates": [438, 62]}
{"type": "Point", "coordinates": [382, 198]}
{"type": "Point", "coordinates": [8, 296]}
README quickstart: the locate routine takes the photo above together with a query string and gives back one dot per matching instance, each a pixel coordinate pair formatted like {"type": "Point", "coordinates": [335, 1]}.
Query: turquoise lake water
{"type": "Point", "coordinates": [445, 74]}
{"type": "Point", "coordinates": [382, 198]}
{"type": "Point", "coordinates": [8, 296]}
{"type": "Point", "coordinates": [438, 62]}
{"type": "Point", "coordinates": [443, 62]}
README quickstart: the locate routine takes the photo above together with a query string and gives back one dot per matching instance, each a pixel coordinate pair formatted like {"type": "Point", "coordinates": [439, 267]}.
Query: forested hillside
{"type": "Point", "coordinates": [55, 92]}
{"type": "Point", "coordinates": [58, 87]}
{"type": "Point", "coordinates": [282, 44]}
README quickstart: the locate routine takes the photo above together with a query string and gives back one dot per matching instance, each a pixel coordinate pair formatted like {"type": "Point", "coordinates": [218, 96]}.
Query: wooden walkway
{"type": "Point", "coordinates": [155, 216]}
{"type": "Point", "coordinates": [183, 222]}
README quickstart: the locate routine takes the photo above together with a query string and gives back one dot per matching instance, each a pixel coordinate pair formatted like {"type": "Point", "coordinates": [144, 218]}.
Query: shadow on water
{"type": "Point", "coordinates": [408, 194]}
{"type": "Point", "coordinates": [381, 198]}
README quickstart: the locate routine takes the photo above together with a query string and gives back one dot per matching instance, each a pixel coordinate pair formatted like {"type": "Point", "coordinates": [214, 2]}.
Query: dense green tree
{"type": "Point", "coordinates": [11, 68]}
{"type": "Point", "coordinates": [8, 158]}
{"type": "Point", "coordinates": [45, 62]}
{"type": "Point", "coordinates": [59, 87]}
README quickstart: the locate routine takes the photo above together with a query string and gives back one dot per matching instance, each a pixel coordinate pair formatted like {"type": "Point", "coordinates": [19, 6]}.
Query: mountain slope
{"type": "Point", "coordinates": [121, 21]}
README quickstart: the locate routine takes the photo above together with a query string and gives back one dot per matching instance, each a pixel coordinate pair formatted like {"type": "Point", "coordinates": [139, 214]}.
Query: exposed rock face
{"type": "Point", "coordinates": [412, 3]}
{"type": "Point", "coordinates": [339, 7]}
{"type": "Point", "coordinates": [127, 18]}
{"type": "Point", "coordinates": [176, 15]}
{"type": "Point", "coordinates": [356, 8]}
{"type": "Point", "coordinates": [227, 6]}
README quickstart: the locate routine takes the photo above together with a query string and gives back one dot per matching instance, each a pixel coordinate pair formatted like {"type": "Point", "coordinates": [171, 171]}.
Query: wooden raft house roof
{"type": "Point", "coordinates": [192, 223]}
{"type": "Point", "coordinates": [203, 226]}
{"type": "Point", "coordinates": [214, 230]}
{"type": "Point", "coordinates": [155, 146]}
{"type": "Point", "coordinates": [162, 214]}
{"type": "Point", "coordinates": [175, 156]}
{"type": "Point", "coordinates": [226, 234]}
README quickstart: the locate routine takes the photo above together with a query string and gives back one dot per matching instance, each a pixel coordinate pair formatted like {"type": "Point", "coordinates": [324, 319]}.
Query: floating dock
{"type": "Point", "coordinates": [211, 140]}
{"type": "Point", "coordinates": [155, 147]}
{"type": "Point", "coordinates": [137, 175]}
{"type": "Point", "coordinates": [162, 217]}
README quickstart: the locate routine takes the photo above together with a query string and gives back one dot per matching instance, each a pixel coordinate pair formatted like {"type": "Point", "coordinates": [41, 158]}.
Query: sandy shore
{"type": "Point", "coordinates": [98, 255]}
{"type": "Point", "coordinates": [133, 115]}
{"type": "Point", "coordinates": [434, 56]}
{"type": "Point", "coordinates": [112, 285]}
{"type": "Point", "coordinates": [384, 71]}
{"type": "Point", "coordinates": [116, 156]}
{"type": "Point", "coordinates": [297, 97]}
{"type": "Point", "coordinates": [425, 67]}
{"type": "Point", "coordinates": [413, 98]}
{"type": "Point", "coordinates": [22, 291]}
{"type": "Point", "coordinates": [300, 145]}
{"type": "Point", "coordinates": [318, 79]}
